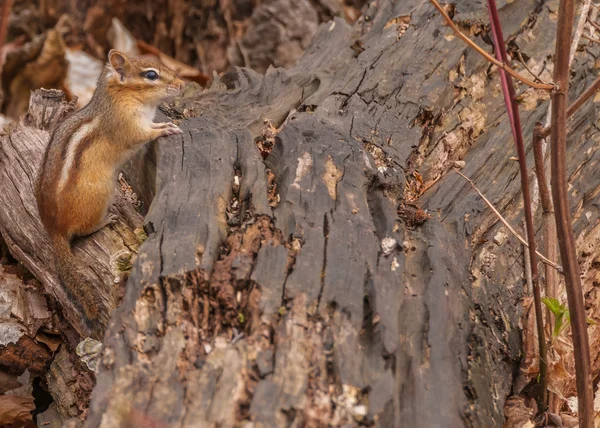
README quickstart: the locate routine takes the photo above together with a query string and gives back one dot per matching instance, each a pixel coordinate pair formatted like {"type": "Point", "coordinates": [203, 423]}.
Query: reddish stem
{"type": "Point", "coordinates": [566, 240]}
{"type": "Point", "coordinates": [512, 109]}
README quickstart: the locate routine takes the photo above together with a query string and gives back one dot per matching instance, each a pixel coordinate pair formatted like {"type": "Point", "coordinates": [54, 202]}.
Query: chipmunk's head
{"type": "Point", "coordinates": [151, 81]}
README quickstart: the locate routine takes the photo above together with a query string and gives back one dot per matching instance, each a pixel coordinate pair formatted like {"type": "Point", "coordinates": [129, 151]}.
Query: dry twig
{"type": "Point", "coordinates": [593, 24]}
{"type": "Point", "coordinates": [536, 77]}
{"type": "Point", "coordinates": [591, 39]}
{"type": "Point", "coordinates": [548, 226]}
{"type": "Point", "coordinates": [490, 58]}
{"type": "Point", "coordinates": [506, 223]}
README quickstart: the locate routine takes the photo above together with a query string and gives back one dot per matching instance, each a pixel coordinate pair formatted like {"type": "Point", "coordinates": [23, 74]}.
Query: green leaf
{"type": "Point", "coordinates": [562, 318]}
{"type": "Point", "coordinates": [554, 305]}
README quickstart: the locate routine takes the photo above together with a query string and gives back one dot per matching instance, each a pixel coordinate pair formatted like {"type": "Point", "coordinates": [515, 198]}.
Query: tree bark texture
{"type": "Point", "coordinates": [348, 276]}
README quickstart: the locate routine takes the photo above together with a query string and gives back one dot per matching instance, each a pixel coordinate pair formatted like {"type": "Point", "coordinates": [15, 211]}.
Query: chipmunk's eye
{"type": "Point", "coordinates": [150, 75]}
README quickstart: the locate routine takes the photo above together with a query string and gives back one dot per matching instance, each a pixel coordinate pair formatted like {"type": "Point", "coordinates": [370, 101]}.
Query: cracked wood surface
{"type": "Point", "coordinates": [336, 331]}
{"type": "Point", "coordinates": [238, 311]}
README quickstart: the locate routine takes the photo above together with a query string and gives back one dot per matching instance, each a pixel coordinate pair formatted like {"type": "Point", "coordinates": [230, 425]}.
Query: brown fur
{"type": "Point", "coordinates": [120, 116]}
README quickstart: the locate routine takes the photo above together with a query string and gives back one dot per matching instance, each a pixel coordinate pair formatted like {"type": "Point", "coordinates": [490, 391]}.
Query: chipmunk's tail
{"type": "Point", "coordinates": [83, 295]}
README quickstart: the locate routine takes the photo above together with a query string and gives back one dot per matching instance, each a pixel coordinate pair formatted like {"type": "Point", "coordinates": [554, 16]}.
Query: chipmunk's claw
{"type": "Point", "coordinates": [168, 128]}
{"type": "Point", "coordinates": [162, 125]}
{"type": "Point", "coordinates": [171, 131]}
{"type": "Point", "coordinates": [111, 219]}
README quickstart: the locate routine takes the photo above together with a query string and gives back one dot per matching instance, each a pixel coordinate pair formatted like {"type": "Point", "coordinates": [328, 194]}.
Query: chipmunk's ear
{"type": "Point", "coordinates": [117, 62]}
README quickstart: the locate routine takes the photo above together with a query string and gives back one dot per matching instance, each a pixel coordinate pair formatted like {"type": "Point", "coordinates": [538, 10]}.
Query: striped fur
{"type": "Point", "coordinates": [72, 147]}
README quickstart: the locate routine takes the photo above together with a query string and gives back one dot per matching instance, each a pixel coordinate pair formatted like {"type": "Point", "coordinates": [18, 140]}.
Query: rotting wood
{"type": "Point", "coordinates": [358, 308]}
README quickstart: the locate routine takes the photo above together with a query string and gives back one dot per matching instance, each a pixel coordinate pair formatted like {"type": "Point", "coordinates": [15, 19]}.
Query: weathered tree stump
{"type": "Point", "coordinates": [337, 272]}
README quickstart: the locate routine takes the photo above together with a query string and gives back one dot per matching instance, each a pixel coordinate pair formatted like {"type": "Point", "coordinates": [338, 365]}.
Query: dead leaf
{"type": "Point", "coordinates": [569, 421]}
{"type": "Point", "coordinates": [8, 382]}
{"type": "Point", "coordinates": [82, 75]}
{"type": "Point", "coordinates": [401, 22]}
{"type": "Point", "coordinates": [45, 68]}
{"type": "Point", "coordinates": [121, 39]}
{"type": "Point", "coordinates": [517, 414]}
{"type": "Point", "coordinates": [398, 20]}
{"type": "Point", "coordinates": [15, 409]}
{"type": "Point", "coordinates": [52, 341]}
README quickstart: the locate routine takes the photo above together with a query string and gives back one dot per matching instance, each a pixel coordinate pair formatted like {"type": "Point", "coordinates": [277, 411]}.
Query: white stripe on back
{"type": "Point", "coordinates": [72, 145]}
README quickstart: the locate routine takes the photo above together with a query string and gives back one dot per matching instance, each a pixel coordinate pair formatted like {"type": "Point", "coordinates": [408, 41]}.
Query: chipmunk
{"type": "Point", "coordinates": [77, 178]}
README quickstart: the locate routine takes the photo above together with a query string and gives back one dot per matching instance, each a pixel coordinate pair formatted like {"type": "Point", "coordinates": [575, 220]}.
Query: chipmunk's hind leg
{"type": "Point", "coordinates": [85, 205]}
{"type": "Point", "coordinates": [94, 220]}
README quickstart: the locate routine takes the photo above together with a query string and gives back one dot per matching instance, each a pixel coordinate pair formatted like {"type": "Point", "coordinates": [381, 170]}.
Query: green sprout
{"type": "Point", "coordinates": [562, 318]}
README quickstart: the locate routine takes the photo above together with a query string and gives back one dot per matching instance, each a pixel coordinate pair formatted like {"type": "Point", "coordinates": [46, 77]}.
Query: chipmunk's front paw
{"type": "Point", "coordinates": [162, 125]}
{"type": "Point", "coordinates": [167, 128]}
